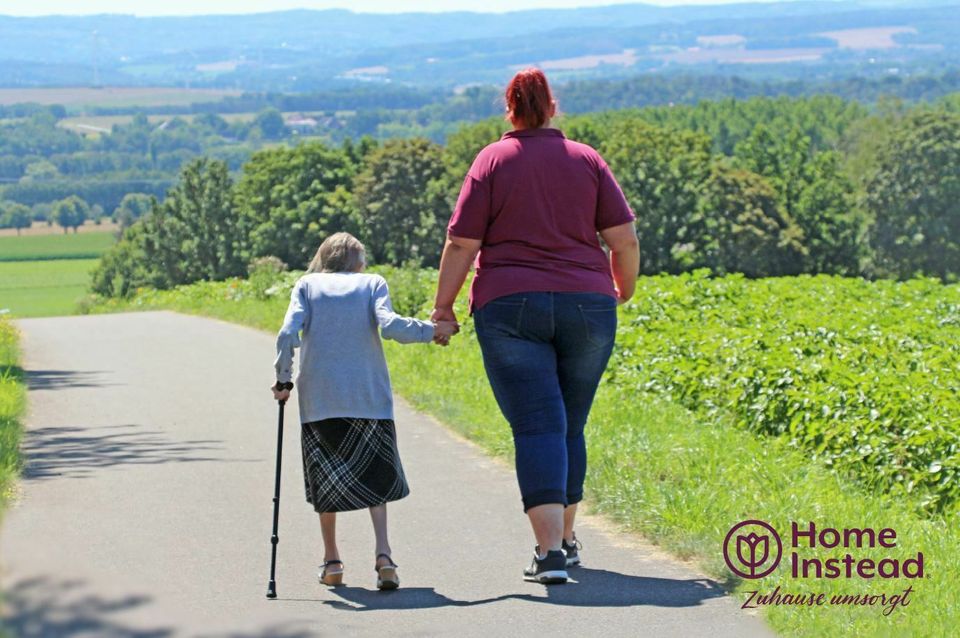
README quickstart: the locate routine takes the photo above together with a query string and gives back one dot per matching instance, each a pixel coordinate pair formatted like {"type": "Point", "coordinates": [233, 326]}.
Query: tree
{"type": "Point", "coordinates": [270, 124]}
{"type": "Point", "coordinates": [661, 172]}
{"type": "Point", "coordinates": [913, 197]}
{"type": "Point", "coordinates": [290, 199]}
{"type": "Point", "coordinates": [132, 207]}
{"type": "Point", "coordinates": [39, 171]}
{"type": "Point", "coordinates": [826, 212]}
{"type": "Point", "coordinates": [813, 191]}
{"type": "Point", "coordinates": [195, 234]}
{"type": "Point", "coordinates": [71, 213]}
{"type": "Point", "coordinates": [14, 215]}
{"type": "Point", "coordinates": [402, 204]}
{"type": "Point", "coordinates": [740, 227]}
{"type": "Point", "coordinates": [124, 267]}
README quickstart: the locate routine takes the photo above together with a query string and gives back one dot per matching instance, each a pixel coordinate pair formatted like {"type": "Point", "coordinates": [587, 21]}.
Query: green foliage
{"type": "Point", "coordinates": [813, 191]}
{"type": "Point", "coordinates": [912, 194]}
{"type": "Point", "coordinates": [124, 268]}
{"type": "Point", "coordinates": [661, 172]}
{"type": "Point", "coordinates": [195, 234]}
{"type": "Point", "coordinates": [263, 273]}
{"type": "Point", "coordinates": [290, 199]}
{"type": "Point", "coordinates": [741, 227]}
{"type": "Point", "coordinates": [765, 187]}
{"type": "Point", "coordinates": [270, 124]}
{"type": "Point", "coordinates": [401, 204]}
{"type": "Point", "coordinates": [13, 393]}
{"type": "Point", "coordinates": [833, 365]}
{"type": "Point", "coordinates": [71, 212]}
{"type": "Point", "coordinates": [132, 207]}
{"type": "Point", "coordinates": [14, 215]}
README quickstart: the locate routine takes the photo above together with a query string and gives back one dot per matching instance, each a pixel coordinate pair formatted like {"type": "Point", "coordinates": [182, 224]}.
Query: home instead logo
{"type": "Point", "coordinates": [753, 549]}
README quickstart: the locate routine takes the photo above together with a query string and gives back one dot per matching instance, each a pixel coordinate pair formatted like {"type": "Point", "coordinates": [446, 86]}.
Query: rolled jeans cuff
{"type": "Point", "coordinates": [544, 497]}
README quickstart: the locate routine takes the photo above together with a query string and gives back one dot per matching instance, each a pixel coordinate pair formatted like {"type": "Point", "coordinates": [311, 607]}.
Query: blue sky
{"type": "Point", "coordinates": [193, 7]}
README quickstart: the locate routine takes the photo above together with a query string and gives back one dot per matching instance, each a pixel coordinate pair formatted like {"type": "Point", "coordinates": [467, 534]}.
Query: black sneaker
{"type": "Point", "coordinates": [572, 551]}
{"type": "Point", "coordinates": [549, 570]}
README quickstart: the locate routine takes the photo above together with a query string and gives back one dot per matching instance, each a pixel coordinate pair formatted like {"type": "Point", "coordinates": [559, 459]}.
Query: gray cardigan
{"type": "Point", "coordinates": [343, 372]}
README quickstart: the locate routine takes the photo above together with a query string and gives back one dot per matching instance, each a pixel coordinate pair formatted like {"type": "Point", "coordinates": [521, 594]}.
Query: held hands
{"type": "Point", "coordinates": [444, 325]}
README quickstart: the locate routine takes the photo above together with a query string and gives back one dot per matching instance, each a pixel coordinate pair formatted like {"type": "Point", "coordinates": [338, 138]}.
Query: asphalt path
{"type": "Point", "coordinates": [145, 508]}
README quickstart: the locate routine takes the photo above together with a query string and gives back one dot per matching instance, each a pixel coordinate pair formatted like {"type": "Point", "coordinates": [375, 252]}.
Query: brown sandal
{"type": "Point", "coordinates": [332, 578]}
{"type": "Point", "coordinates": [387, 574]}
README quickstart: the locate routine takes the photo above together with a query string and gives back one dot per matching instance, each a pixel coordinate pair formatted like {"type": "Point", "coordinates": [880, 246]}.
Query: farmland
{"type": "Point", "coordinates": [77, 99]}
{"type": "Point", "coordinates": [43, 275]}
{"type": "Point", "coordinates": [43, 288]}
{"type": "Point", "coordinates": [55, 246]}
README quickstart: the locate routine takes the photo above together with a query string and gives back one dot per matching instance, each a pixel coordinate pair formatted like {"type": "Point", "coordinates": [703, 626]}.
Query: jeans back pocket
{"type": "Point", "coordinates": [503, 315]}
{"type": "Point", "coordinates": [599, 322]}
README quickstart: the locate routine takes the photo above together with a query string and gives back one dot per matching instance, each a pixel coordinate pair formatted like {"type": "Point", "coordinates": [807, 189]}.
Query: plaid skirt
{"type": "Point", "coordinates": [351, 464]}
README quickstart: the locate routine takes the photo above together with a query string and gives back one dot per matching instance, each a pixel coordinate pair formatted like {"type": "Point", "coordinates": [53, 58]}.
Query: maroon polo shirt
{"type": "Point", "coordinates": [537, 201]}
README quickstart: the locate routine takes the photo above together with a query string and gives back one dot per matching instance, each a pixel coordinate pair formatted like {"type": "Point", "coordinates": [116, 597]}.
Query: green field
{"type": "Point", "coordinates": [55, 246]}
{"type": "Point", "coordinates": [683, 440]}
{"type": "Point", "coordinates": [43, 288]}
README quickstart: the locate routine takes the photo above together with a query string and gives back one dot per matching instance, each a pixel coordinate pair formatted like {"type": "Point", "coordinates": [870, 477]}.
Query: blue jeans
{"type": "Point", "coordinates": [544, 353]}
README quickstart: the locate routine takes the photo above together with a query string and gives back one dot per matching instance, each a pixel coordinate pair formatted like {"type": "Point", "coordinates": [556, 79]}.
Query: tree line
{"type": "Point", "coordinates": [42, 162]}
{"type": "Point", "coordinates": [797, 186]}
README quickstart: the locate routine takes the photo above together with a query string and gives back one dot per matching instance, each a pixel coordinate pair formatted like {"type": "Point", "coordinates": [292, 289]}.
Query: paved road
{"type": "Point", "coordinates": [145, 511]}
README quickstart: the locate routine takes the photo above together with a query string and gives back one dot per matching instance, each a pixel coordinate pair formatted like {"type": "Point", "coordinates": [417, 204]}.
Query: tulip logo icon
{"type": "Point", "coordinates": [747, 549]}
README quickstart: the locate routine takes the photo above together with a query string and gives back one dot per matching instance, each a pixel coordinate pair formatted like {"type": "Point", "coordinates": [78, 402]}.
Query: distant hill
{"type": "Point", "coordinates": [313, 50]}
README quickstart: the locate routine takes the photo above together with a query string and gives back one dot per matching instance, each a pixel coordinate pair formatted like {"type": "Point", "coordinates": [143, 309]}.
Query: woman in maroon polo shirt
{"type": "Point", "coordinates": [544, 300]}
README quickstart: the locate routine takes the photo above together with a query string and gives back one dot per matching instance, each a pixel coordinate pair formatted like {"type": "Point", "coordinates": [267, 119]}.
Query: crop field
{"type": "Point", "coordinates": [78, 98]}
{"type": "Point", "coordinates": [44, 275]}
{"type": "Point", "coordinates": [43, 288]}
{"type": "Point", "coordinates": [95, 124]}
{"type": "Point", "coordinates": [43, 228]}
{"type": "Point", "coordinates": [41, 247]}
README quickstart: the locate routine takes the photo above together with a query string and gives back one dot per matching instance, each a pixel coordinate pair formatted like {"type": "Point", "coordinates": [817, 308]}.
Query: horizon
{"type": "Point", "coordinates": [184, 8]}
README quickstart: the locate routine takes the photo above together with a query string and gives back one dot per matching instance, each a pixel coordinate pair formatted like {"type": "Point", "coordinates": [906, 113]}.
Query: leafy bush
{"type": "Point", "coordinates": [264, 272]}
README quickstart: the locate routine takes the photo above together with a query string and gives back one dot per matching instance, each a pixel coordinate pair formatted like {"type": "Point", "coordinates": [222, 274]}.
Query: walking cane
{"type": "Point", "coordinates": [274, 539]}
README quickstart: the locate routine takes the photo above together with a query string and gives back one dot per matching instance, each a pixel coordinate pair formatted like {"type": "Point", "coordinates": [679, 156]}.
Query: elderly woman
{"type": "Point", "coordinates": [544, 300]}
{"type": "Point", "coordinates": [350, 457]}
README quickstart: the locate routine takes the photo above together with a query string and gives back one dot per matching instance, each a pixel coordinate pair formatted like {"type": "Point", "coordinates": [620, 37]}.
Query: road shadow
{"type": "Point", "coordinates": [593, 588]}
{"type": "Point", "coordinates": [75, 452]}
{"type": "Point", "coordinates": [45, 608]}
{"type": "Point", "coordinates": [64, 379]}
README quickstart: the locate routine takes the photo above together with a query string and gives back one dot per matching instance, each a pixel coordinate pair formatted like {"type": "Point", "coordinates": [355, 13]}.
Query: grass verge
{"type": "Point", "coordinates": [680, 479]}
{"type": "Point", "coordinates": [12, 403]}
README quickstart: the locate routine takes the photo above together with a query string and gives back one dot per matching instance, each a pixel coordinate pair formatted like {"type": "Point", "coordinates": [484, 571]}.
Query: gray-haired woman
{"type": "Point", "coordinates": [350, 457]}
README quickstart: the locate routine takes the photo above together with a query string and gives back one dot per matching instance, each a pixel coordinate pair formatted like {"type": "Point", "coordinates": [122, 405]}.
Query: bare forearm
{"type": "Point", "coordinates": [454, 266]}
{"type": "Point", "coordinates": [625, 267]}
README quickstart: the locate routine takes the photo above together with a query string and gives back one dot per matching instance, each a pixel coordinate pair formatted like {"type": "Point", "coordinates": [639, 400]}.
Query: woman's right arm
{"type": "Point", "coordinates": [458, 255]}
{"type": "Point", "coordinates": [288, 339]}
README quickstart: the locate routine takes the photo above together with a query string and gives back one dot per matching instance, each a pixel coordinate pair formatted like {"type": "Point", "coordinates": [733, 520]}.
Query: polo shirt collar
{"type": "Point", "coordinates": [533, 132]}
